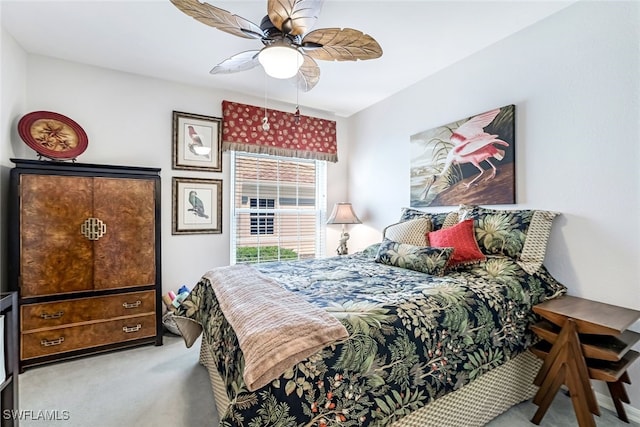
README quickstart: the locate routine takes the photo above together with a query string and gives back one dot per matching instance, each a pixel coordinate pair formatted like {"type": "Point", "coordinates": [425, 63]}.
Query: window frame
{"type": "Point", "coordinates": [320, 201]}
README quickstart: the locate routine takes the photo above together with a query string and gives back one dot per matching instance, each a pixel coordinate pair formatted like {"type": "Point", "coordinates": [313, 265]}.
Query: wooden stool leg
{"type": "Point", "coordinates": [625, 378]}
{"type": "Point", "coordinates": [579, 396]}
{"type": "Point", "coordinates": [557, 351]}
{"type": "Point", "coordinates": [547, 392]}
{"type": "Point", "coordinates": [619, 395]}
{"type": "Point", "coordinates": [547, 386]}
{"type": "Point", "coordinates": [577, 359]}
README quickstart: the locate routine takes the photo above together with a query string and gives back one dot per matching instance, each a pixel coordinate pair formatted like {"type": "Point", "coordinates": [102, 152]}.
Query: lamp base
{"type": "Point", "coordinates": [342, 247]}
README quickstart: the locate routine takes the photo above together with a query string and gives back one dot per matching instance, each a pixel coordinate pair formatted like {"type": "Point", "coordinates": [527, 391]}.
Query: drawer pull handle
{"type": "Point", "coordinates": [129, 329]}
{"type": "Point", "coordinates": [46, 343]}
{"type": "Point", "coordinates": [47, 316]}
{"type": "Point", "coordinates": [132, 305]}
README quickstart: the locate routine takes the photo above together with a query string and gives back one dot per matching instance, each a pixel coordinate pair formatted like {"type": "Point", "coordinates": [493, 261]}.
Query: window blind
{"type": "Point", "coordinates": [279, 208]}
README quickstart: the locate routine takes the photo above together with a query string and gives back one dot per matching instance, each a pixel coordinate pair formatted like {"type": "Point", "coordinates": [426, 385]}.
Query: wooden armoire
{"type": "Point", "coordinates": [84, 257]}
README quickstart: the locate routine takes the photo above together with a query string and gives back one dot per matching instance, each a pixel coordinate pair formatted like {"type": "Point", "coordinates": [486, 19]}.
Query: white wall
{"type": "Point", "coordinates": [12, 101]}
{"type": "Point", "coordinates": [575, 81]}
{"type": "Point", "coordinates": [128, 120]}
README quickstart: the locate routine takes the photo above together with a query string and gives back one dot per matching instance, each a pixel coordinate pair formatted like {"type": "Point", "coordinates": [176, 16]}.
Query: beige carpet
{"type": "Point", "coordinates": [165, 386]}
{"type": "Point", "coordinates": [145, 386]}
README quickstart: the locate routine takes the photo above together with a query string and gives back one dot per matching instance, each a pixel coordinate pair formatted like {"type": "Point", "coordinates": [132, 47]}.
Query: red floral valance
{"type": "Point", "coordinates": [310, 138]}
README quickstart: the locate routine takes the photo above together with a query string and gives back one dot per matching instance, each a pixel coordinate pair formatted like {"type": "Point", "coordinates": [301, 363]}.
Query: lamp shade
{"type": "Point", "coordinates": [343, 214]}
{"type": "Point", "coordinates": [280, 62]}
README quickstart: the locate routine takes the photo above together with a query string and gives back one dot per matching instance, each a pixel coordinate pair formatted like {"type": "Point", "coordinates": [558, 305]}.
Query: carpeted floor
{"type": "Point", "coordinates": [165, 386]}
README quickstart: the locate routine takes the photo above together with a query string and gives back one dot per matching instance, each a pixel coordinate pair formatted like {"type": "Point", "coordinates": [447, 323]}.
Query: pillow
{"type": "Point", "coordinates": [419, 258]}
{"type": "Point", "coordinates": [438, 220]}
{"type": "Point", "coordinates": [412, 232]}
{"type": "Point", "coordinates": [462, 239]}
{"type": "Point", "coordinates": [371, 250]}
{"type": "Point", "coordinates": [518, 234]}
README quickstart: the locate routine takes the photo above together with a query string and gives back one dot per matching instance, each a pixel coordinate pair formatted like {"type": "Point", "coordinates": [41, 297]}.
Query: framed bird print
{"type": "Point", "coordinates": [197, 206]}
{"type": "Point", "coordinates": [469, 161]}
{"type": "Point", "coordinates": [196, 142]}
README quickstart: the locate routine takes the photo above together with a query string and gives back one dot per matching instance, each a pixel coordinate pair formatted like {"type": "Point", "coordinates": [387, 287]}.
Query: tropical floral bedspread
{"type": "Point", "coordinates": [413, 338]}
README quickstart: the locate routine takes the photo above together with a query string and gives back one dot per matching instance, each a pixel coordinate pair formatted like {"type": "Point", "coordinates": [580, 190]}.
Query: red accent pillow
{"type": "Point", "coordinates": [462, 238]}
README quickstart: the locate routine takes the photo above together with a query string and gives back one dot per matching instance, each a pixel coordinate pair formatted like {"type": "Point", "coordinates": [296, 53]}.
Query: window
{"type": "Point", "coordinates": [279, 208]}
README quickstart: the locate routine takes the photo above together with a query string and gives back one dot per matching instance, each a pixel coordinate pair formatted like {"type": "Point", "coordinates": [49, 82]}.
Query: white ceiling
{"type": "Point", "coordinates": [154, 38]}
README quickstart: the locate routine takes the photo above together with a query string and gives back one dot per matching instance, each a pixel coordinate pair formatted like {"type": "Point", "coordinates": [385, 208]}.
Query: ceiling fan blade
{"type": "Point", "coordinates": [340, 44]}
{"type": "Point", "coordinates": [295, 17]}
{"type": "Point", "coordinates": [220, 19]}
{"type": "Point", "coordinates": [308, 74]}
{"type": "Point", "coordinates": [241, 62]}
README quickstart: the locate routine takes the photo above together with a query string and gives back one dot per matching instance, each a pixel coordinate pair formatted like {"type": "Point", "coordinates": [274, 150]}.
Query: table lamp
{"type": "Point", "coordinates": [343, 214]}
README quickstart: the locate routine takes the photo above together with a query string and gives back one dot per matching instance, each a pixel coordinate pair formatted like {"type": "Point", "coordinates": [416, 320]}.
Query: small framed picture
{"type": "Point", "coordinates": [197, 142]}
{"type": "Point", "coordinates": [197, 206]}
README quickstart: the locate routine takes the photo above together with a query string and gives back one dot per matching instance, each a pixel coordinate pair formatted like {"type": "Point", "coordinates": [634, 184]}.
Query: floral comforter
{"type": "Point", "coordinates": [413, 338]}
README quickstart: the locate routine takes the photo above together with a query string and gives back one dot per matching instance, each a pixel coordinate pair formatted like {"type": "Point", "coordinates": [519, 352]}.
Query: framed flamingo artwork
{"type": "Point", "coordinates": [469, 161]}
{"type": "Point", "coordinates": [196, 142]}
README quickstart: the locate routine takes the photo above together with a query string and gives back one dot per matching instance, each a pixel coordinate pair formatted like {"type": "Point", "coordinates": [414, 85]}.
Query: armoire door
{"type": "Point", "coordinates": [55, 257]}
{"type": "Point", "coordinates": [125, 255]}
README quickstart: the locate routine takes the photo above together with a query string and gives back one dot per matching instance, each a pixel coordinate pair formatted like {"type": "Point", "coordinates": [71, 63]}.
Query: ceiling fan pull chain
{"type": "Point", "coordinates": [296, 116]}
{"type": "Point", "coordinates": [265, 119]}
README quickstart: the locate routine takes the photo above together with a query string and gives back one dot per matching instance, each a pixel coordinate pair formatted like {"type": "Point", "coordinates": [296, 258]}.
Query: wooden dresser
{"type": "Point", "coordinates": [84, 258]}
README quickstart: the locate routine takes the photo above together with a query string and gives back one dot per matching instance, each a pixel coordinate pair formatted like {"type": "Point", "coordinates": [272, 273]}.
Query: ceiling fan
{"type": "Point", "coordinates": [289, 48]}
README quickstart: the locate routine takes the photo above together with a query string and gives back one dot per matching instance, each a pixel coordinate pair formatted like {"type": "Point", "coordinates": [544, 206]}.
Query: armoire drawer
{"type": "Point", "coordinates": [52, 314]}
{"type": "Point", "coordinates": [63, 339]}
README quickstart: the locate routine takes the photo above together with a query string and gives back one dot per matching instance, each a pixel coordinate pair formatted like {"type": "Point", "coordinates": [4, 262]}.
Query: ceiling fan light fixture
{"type": "Point", "coordinates": [290, 47]}
{"type": "Point", "coordinates": [280, 62]}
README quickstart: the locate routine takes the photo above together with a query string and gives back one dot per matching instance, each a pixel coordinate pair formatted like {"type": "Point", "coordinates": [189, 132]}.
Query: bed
{"type": "Point", "coordinates": [428, 341]}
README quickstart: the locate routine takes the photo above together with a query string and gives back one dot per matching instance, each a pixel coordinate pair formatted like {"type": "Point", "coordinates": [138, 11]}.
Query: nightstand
{"type": "Point", "coordinates": [583, 340]}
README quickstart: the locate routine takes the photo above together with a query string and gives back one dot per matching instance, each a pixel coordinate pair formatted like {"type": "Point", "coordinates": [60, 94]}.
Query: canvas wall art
{"type": "Point", "coordinates": [469, 161]}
